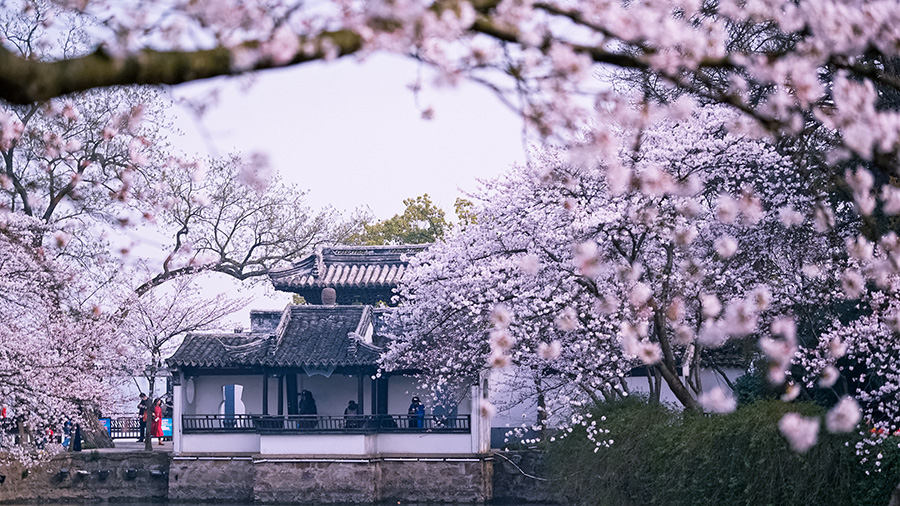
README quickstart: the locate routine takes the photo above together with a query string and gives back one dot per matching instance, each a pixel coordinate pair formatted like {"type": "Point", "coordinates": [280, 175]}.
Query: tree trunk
{"type": "Point", "coordinates": [681, 393]}
{"type": "Point", "coordinates": [656, 384]}
{"type": "Point", "coordinates": [148, 440]}
{"type": "Point", "coordinates": [93, 432]}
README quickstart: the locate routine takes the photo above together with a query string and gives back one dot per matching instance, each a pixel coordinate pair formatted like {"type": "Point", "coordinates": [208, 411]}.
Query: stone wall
{"type": "Point", "coordinates": [325, 481]}
{"type": "Point", "coordinates": [211, 480]}
{"type": "Point", "coordinates": [299, 482]}
{"type": "Point", "coordinates": [451, 480]}
{"type": "Point", "coordinates": [522, 477]}
{"type": "Point", "coordinates": [89, 477]}
{"type": "Point", "coordinates": [150, 477]}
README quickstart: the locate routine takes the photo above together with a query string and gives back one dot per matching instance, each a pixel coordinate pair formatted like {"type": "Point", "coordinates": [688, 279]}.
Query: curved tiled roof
{"type": "Point", "coordinates": [306, 336]}
{"type": "Point", "coordinates": [347, 267]}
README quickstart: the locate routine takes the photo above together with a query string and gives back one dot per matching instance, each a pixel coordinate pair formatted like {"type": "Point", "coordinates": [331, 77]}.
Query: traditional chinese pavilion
{"type": "Point", "coordinates": [248, 392]}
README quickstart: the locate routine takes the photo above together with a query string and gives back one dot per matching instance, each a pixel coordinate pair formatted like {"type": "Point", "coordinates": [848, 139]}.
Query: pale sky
{"type": "Point", "coordinates": [351, 134]}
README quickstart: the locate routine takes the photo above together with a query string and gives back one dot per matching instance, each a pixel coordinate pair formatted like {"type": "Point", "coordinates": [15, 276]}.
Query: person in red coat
{"type": "Point", "coordinates": [156, 426]}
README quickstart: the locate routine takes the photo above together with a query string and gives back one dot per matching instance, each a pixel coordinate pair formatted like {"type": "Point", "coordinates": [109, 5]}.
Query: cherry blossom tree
{"type": "Point", "coordinates": [786, 68]}
{"type": "Point", "coordinates": [83, 173]}
{"type": "Point", "coordinates": [156, 323]}
{"type": "Point", "coordinates": [592, 276]}
{"type": "Point", "coordinates": [56, 357]}
{"type": "Point", "coordinates": [235, 216]}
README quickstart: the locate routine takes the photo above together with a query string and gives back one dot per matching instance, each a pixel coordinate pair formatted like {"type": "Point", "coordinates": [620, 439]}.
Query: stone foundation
{"type": "Point", "coordinates": [449, 480]}
{"type": "Point", "coordinates": [324, 481]}
{"type": "Point", "coordinates": [89, 477]}
{"type": "Point", "coordinates": [222, 479]}
{"type": "Point", "coordinates": [301, 482]}
{"type": "Point", "coordinates": [151, 477]}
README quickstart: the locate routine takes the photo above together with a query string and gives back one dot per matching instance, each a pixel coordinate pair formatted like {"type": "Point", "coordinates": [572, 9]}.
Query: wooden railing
{"type": "Point", "coordinates": [292, 424]}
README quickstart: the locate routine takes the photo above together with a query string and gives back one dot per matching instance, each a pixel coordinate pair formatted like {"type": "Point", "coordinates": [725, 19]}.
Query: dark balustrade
{"type": "Point", "coordinates": [352, 424]}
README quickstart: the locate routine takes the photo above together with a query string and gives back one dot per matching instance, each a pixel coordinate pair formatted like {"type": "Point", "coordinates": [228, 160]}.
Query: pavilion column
{"type": "Point", "coordinates": [359, 395]}
{"type": "Point", "coordinates": [265, 393]}
{"type": "Point", "coordinates": [177, 410]}
{"type": "Point", "coordinates": [291, 390]}
{"type": "Point", "coordinates": [280, 394]}
{"type": "Point", "coordinates": [380, 396]}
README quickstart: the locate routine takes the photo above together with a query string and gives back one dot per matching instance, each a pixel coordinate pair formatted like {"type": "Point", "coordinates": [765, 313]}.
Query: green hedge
{"type": "Point", "coordinates": [661, 456]}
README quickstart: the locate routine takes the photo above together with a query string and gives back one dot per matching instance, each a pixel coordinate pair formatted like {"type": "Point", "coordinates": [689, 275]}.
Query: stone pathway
{"type": "Point", "coordinates": [131, 445]}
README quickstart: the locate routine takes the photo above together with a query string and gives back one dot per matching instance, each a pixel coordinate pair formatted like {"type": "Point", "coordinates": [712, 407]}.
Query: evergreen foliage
{"type": "Point", "coordinates": [664, 456]}
{"type": "Point", "coordinates": [421, 222]}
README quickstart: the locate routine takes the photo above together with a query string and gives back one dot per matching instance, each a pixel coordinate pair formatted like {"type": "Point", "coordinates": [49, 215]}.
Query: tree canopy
{"type": "Point", "coordinates": [421, 222]}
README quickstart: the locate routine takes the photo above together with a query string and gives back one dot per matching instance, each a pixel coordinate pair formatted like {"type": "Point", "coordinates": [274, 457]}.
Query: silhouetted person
{"type": "Point", "coordinates": [351, 416]}
{"type": "Point", "coordinates": [417, 414]}
{"type": "Point", "coordinates": [142, 417]}
{"type": "Point", "coordinates": [307, 407]}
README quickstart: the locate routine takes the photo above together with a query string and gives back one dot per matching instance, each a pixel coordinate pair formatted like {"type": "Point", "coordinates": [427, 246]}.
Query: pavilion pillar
{"type": "Point", "coordinates": [380, 396]}
{"type": "Point", "coordinates": [359, 395]}
{"type": "Point", "coordinates": [280, 394]}
{"type": "Point", "coordinates": [177, 410]}
{"type": "Point", "coordinates": [291, 386]}
{"type": "Point", "coordinates": [265, 393]}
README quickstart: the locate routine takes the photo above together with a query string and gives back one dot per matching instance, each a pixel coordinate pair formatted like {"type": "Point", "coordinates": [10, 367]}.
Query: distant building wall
{"type": "Point", "coordinates": [709, 379]}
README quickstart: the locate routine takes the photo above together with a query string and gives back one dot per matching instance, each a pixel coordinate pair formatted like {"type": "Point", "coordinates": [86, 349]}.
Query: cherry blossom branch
{"type": "Point", "coordinates": [25, 81]}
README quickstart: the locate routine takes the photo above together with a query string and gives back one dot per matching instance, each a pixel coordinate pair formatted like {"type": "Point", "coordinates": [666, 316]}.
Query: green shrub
{"type": "Point", "coordinates": [662, 456]}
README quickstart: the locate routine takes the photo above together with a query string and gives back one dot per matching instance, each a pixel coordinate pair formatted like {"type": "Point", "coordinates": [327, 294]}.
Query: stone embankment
{"type": "Point", "coordinates": [510, 477]}
{"type": "Point", "coordinates": [89, 477]}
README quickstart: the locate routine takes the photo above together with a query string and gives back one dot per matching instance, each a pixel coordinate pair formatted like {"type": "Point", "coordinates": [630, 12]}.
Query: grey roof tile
{"type": "Point", "coordinates": [305, 336]}
{"type": "Point", "coordinates": [347, 266]}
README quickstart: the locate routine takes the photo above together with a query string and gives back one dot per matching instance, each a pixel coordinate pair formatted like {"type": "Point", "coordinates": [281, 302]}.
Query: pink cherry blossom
{"type": "Point", "coordinates": [801, 432]}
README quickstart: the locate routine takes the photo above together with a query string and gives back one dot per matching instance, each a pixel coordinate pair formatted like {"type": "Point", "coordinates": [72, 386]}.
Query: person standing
{"type": "Point", "coordinates": [417, 414]}
{"type": "Point", "coordinates": [75, 445]}
{"type": "Point", "coordinates": [156, 427]}
{"type": "Point", "coordinates": [307, 408]}
{"type": "Point", "coordinates": [351, 416]}
{"type": "Point", "coordinates": [142, 417]}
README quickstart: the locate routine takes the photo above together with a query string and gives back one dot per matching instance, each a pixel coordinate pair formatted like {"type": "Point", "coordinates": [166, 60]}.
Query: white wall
{"type": "Point", "coordinates": [423, 444]}
{"type": "Point", "coordinates": [220, 443]}
{"type": "Point", "coordinates": [313, 444]}
{"type": "Point", "coordinates": [208, 393]}
{"type": "Point", "coordinates": [332, 393]}
{"type": "Point", "coordinates": [330, 444]}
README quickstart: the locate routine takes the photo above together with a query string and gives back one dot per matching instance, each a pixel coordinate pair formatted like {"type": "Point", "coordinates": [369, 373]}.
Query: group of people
{"type": "Point", "coordinates": [150, 416]}
{"type": "Point", "coordinates": [416, 414]}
